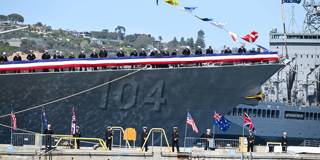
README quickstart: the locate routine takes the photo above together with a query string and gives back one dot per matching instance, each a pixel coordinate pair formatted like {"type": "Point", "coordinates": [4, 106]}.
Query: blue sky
{"type": "Point", "coordinates": [144, 16]}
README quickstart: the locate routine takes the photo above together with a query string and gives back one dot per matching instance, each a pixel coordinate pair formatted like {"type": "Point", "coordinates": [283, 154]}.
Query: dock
{"type": "Point", "coordinates": [8, 152]}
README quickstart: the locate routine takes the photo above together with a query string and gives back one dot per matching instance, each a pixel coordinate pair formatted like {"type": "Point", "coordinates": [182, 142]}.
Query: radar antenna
{"type": "Point", "coordinates": [312, 19]}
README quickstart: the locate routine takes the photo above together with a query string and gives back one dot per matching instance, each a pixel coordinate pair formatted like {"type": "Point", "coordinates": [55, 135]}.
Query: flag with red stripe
{"type": "Point", "coordinates": [248, 122]}
{"type": "Point", "coordinates": [13, 121]}
{"type": "Point", "coordinates": [192, 123]}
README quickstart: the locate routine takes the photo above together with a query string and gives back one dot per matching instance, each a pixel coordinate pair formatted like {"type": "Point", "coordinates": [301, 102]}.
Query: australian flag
{"type": "Point", "coordinates": [291, 1]}
{"type": "Point", "coordinates": [221, 121]}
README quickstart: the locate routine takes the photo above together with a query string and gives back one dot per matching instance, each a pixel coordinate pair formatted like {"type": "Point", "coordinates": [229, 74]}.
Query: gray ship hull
{"type": "Point", "coordinates": [153, 97]}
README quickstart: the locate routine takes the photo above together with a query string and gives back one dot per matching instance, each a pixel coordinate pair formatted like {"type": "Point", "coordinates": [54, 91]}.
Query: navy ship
{"type": "Point", "coordinates": [292, 95]}
{"type": "Point", "coordinates": [122, 96]}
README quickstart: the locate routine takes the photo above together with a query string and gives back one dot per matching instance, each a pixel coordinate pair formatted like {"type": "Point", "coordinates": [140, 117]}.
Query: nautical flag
{"type": "Point", "coordinates": [221, 121]}
{"type": "Point", "coordinates": [251, 37]}
{"type": "Point", "coordinates": [73, 122]}
{"type": "Point", "coordinates": [189, 9]}
{"type": "Point", "coordinates": [205, 19]}
{"type": "Point", "coordinates": [13, 121]}
{"type": "Point", "coordinates": [191, 122]}
{"type": "Point", "coordinates": [291, 1]}
{"type": "Point", "coordinates": [248, 122]}
{"type": "Point", "coordinates": [234, 36]}
{"type": "Point", "coordinates": [44, 120]}
{"type": "Point", "coordinates": [218, 24]}
{"type": "Point", "coordinates": [172, 2]}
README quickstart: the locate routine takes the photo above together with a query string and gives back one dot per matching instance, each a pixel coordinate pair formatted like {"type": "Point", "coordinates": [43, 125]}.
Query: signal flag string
{"type": "Point", "coordinates": [75, 94]}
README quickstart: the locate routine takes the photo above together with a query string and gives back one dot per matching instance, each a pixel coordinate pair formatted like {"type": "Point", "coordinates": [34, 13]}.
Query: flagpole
{"type": "Point", "coordinates": [11, 137]}
{"type": "Point", "coordinates": [185, 136]}
{"type": "Point", "coordinates": [11, 130]}
{"type": "Point", "coordinates": [284, 29]}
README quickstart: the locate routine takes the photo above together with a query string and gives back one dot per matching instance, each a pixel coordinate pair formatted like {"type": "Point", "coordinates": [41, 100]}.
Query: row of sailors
{"type": "Point", "coordinates": [103, 53]}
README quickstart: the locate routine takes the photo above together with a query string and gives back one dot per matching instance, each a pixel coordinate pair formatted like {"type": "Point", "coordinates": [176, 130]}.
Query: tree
{"type": "Point", "coordinates": [182, 41]}
{"type": "Point", "coordinates": [200, 39]}
{"type": "Point", "coordinates": [143, 41]}
{"type": "Point", "coordinates": [190, 42]}
{"type": "Point", "coordinates": [27, 45]}
{"type": "Point", "coordinates": [15, 18]}
{"type": "Point", "coordinates": [3, 18]}
{"type": "Point", "coordinates": [173, 44]}
{"type": "Point", "coordinates": [121, 31]}
{"type": "Point", "coordinates": [39, 24]}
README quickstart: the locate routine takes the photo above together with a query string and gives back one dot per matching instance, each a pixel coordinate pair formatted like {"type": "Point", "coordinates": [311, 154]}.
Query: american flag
{"type": "Point", "coordinates": [248, 122]}
{"type": "Point", "coordinates": [191, 122]}
{"type": "Point", "coordinates": [13, 121]}
{"type": "Point", "coordinates": [73, 122]}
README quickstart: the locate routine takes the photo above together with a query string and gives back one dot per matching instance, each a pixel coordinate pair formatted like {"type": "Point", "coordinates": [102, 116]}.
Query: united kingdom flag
{"type": "Point", "coordinates": [248, 122]}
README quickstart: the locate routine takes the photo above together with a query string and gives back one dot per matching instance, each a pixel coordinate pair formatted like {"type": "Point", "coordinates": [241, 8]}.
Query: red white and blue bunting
{"type": "Point", "coordinates": [103, 62]}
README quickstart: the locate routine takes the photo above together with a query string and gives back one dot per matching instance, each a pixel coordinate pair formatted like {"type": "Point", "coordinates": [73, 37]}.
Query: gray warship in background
{"type": "Point", "coordinates": [292, 102]}
{"type": "Point", "coordinates": [153, 97]}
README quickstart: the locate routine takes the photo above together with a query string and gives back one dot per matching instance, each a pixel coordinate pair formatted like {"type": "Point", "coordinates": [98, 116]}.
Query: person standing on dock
{"type": "Point", "coordinates": [284, 142]}
{"type": "Point", "coordinates": [207, 137]}
{"type": "Point", "coordinates": [175, 139]}
{"type": "Point", "coordinates": [144, 139]}
{"type": "Point", "coordinates": [251, 140]}
{"type": "Point", "coordinates": [77, 134]}
{"type": "Point", "coordinates": [48, 132]}
{"type": "Point", "coordinates": [109, 136]}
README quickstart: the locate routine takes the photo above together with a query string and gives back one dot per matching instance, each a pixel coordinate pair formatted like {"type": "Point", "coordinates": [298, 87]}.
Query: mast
{"type": "Point", "coordinates": [284, 29]}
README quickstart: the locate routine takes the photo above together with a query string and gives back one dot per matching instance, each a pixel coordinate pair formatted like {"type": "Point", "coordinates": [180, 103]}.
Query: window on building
{"type": "Point", "coordinates": [301, 55]}
{"type": "Point", "coordinates": [319, 116]}
{"type": "Point", "coordinates": [259, 112]}
{"type": "Point", "coordinates": [312, 56]}
{"type": "Point", "coordinates": [239, 111]}
{"type": "Point", "coordinates": [277, 114]}
{"type": "Point", "coordinates": [250, 112]}
{"type": "Point", "coordinates": [264, 113]}
{"type": "Point", "coordinates": [268, 113]}
{"type": "Point", "coordinates": [254, 113]}
{"type": "Point", "coordinates": [245, 110]}
{"type": "Point", "coordinates": [311, 116]}
{"type": "Point", "coordinates": [307, 115]}
{"type": "Point", "coordinates": [234, 111]}
{"type": "Point", "coordinates": [307, 56]}
{"type": "Point", "coordinates": [315, 116]}
{"type": "Point", "coordinates": [273, 114]}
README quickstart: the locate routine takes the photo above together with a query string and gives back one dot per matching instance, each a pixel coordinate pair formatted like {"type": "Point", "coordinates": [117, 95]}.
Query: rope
{"type": "Point", "coordinates": [18, 129]}
{"type": "Point", "coordinates": [75, 94]}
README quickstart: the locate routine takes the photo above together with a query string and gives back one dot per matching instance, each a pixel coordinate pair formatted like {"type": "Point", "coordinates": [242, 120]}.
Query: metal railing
{"type": "Point", "coordinates": [38, 140]}
{"type": "Point", "coordinates": [20, 139]}
{"type": "Point", "coordinates": [311, 143]}
{"type": "Point", "coordinates": [211, 142]}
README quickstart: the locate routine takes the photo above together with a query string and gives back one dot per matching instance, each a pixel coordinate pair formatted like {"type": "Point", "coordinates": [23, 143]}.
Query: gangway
{"type": "Point", "coordinates": [163, 134]}
{"type": "Point", "coordinates": [118, 128]}
{"type": "Point", "coordinates": [68, 138]}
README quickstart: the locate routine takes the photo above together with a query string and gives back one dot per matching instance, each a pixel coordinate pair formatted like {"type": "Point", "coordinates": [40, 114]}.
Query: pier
{"type": "Point", "coordinates": [8, 152]}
